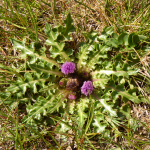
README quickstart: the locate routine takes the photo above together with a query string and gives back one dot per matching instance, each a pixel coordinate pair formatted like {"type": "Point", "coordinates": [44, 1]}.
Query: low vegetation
{"type": "Point", "coordinates": [74, 75]}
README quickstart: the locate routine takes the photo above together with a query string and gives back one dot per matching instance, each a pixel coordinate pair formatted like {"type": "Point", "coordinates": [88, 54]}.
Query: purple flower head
{"type": "Point", "coordinates": [72, 97]}
{"type": "Point", "coordinates": [87, 87]}
{"type": "Point", "coordinates": [68, 67]}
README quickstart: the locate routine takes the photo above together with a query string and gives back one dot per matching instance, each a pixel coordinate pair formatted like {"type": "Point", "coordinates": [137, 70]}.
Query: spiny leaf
{"type": "Point", "coordinates": [81, 108]}
{"type": "Point", "coordinates": [71, 107]}
{"type": "Point", "coordinates": [91, 36]}
{"type": "Point", "coordinates": [107, 31]}
{"type": "Point", "coordinates": [30, 51]}
{"type": "Point", "coordinates": [125, 109]}
{"type": "Point", "coordinates": [99, 51]}
{"type": "Point", "coordinates": [60, 34]}
{"type": "Point", "coordinates": [100, 82]}
{"type": "Point", "coordinates": [83, 55]}
{"type": "Point", "coordinates": [55, 52]}
{"type": "Point", "coordinates": [29, 82]}
{"type": "Point", "coordinates": [106, 105]}
{"type": "Point", "coordinates": [63, 127]}
{"type": "Point", "coordinates": [44, 106]}
{"type": "Point", "coordinates": [99, 127]}
{"type": "Point", "coordinates": [65, 31]}
{"type": "Point", "coordinates": [121, 90]}
{"type": "Point", "coordinates": [117, 73]}
{"type": "Point", "coordinates": [51, 32]}
{"type": "Point", "coordinates": [41, 69]}
{"type": "Point", "coordinates": [10, 70]}
{"type": "Point", "coordinates": [57, 45]}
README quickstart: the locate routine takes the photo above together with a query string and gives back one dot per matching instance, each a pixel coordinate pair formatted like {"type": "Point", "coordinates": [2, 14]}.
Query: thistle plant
{"type": "Point", "coordinates": [92, 85]}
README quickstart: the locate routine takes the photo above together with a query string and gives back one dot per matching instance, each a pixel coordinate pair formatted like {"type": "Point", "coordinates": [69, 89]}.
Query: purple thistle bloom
{"type": "Point", "coordinates": [72, 97]}
{"type": "Point", "coordinates": [87, 87]}
{"type": "Point", "coordinates": [68, 67]}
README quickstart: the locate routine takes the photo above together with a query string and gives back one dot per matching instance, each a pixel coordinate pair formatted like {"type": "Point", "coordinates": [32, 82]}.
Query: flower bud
{"type": "Point", "coordinates": [72, 97]}
{"type": "Point", "coordinates": [60, 83]}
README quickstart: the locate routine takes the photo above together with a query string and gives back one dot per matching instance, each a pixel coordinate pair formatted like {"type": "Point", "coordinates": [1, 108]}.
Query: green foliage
{"type": "Point", "coordinates": [81, 111]}
{"type": "Point", "coordinates": [102, 57]}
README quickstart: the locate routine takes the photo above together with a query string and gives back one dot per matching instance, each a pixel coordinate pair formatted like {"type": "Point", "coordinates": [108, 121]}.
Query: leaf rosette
{"type": "Point", "coordinates": [89, 84]}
